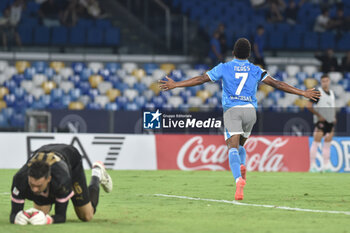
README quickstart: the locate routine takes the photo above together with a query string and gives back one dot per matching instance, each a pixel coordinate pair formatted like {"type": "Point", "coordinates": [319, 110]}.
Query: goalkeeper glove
{"type": "Point", "coordinates": [39, 218]}
{"type": "Point", "coordinates": [22, 218]}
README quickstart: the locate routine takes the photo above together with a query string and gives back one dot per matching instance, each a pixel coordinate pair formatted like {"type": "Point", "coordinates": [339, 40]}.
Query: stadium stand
{"type": "Point", "coordinates": [127, 86]}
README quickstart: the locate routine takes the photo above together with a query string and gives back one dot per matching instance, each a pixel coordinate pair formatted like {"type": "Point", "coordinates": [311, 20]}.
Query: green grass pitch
{"type": "Point", "coordinates": [132, 206]}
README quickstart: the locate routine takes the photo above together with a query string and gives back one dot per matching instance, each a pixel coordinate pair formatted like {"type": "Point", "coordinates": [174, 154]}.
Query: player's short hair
{"type": "Point", "coordinates": [39, 169]}
{"type": "Point", "coordinates": [324, 76]}
{"type": "Point", "coordinates": [242, 48]}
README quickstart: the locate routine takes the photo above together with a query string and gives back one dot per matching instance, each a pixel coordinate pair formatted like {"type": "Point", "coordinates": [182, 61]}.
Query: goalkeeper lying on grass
{"type": "Point", "coordinates": [53, 175]}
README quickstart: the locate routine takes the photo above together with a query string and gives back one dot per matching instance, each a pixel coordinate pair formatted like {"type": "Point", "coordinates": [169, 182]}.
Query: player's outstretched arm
{"type": "Point", "coordinates": [171, 84]}
{"type": "Point", "coordinates": [310, 93]}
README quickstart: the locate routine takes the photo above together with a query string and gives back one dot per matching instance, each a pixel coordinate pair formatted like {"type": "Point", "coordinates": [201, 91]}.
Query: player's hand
{"type": "Point", "coordinates": [312, 94]}
{"type": "Point", "coordinates": [22, 218]}
{"type": "Point", "coordinates": [167, 85]}
{"type": "Point", "coordinates": [40, 218]}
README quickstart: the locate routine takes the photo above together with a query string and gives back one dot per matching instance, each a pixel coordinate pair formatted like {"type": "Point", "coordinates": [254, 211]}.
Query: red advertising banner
{"type": "Point", "coordinates": [209, 152]}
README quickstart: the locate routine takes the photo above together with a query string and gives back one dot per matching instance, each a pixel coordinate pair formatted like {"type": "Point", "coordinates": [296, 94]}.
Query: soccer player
{"type": "Point", "coordinates": [53, 175]}
{"type": "Point", "coordinates": [323, 110]}
{"type": "Point", "coordinates": [240, 80]}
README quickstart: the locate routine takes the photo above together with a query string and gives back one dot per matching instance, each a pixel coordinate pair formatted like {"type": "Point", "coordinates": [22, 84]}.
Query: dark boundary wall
{"type": "Point", "coordinates": [268, 122]}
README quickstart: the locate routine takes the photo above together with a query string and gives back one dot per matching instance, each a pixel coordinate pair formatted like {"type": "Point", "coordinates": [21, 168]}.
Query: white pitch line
{"type": "Point", "coordinates": [5, 193]}
{"type": "Point", "coordinates": [256, 205]}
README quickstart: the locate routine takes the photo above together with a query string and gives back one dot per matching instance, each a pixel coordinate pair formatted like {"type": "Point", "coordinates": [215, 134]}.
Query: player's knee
{"type": "Point", "coordinates": [86, 217]}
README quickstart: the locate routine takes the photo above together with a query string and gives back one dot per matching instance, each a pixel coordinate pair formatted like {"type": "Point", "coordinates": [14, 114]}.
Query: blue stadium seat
{"type": "Point", "coordinates": [140, 101]}
{"type": "Point", "coordinates": [149, 67]}
{"type": "Point", "coordinates": [140, 87]}
{"type": "Point", "coordinates": [93, 93]}
{"type": "Point", "coordinates": [40, 66]}
{"type": "Point", "coordinates": [49, 72]}
{"type": "Point", "coordinates": [294, 40]}
{"type": "Point", "coordinates": [66, 99]}
{"type": "Point", "coordinates": [18, 78]}
{"type": "Point", "coordinates": [59, 36]}
{"type": "Point", "coordinates": [8, 112]}
{"type": "Point", "coordinates": [343, 43]}
{"type": "Point", "coordinates": [121, 86]}
{"type": "Point", "coordinates": [185, 94]}
{"type": "Point", "coordinates": [112, 67]}
{"type": "Point", "coordinates": [94, 36]}
{"type": "Point", "coordinates": [311, 41]}
{"type": "Point", "coordinates": [32, 7]}
{"type": "Point", "coordinates": [84, 86]}
{"type": "Point", "coordinates": [121, 101]}
{"type": "Point", "coordinates": [10, 100]}
{"type": "Point", "coordinates": [177, 75]}
{"type": "Point", "coordinates": [131, 107]}
{"type": "Point", "coordinates": [105, 73]}
{"type": "Point", "coordinates": [85, 74]}
{"type": "Point", "coordinates": [85, 23]}
{"type": "Point", "coordinates": [17, 121]}
{"type": "Point", "coordinates": [3, 121]}
{"type": "Point", "coordinates": [194, 89]}
{"type": "Point", "coordinates": [112, 107]}
{"type": "Point", "coordinates": [29, 73]}
{"type": "Point", "coordinates": [74, 94]}
{"type": "Point", "coordinates": [115, 80]}
{"type": "Point", "coordinates": [57, 104]}
{"type": "Point", "coordinates": [56, 94]}
{"type": "Point", "coordinates": [78, 67]}
{"type": "Point", "coordinates": [26, 34]}
{"type": "Point", "coordinates": [94, 106]}
{"type": "Point", "coordinates": [103, 23]}
{"type": "Point", "coordinates": [112, 36]}
{"type": "Point", "coordinates": [77, 36]}
{"type": "Point", "coordinates": [10, 84]}
{"type": "Point", "coordinates": [327, 40]}
{"type": "Point", "coordinates": [276, 40]}
{"type": "Point", "coordinates": [201, 67]}
{"type": "Point", "coordinates": [19, 93]}
{"type": "Point", "coordinates": [75, 79]}
{"type": "Point", "coordinates": [41, 35]}
{"type": "Point", "coordinates": [29, 100]}
{"type": "Point", "coordinates": [165, 95]}
{"type": "Point", "coordinates": [150, 106]}
{"type": "Point", "coordinates": [45, 99]}
{"type": "Point", "coordinates": [158, 101]}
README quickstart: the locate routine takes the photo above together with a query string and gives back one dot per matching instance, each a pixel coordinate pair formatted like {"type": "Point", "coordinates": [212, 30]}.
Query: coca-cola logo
{"type": "Point", "coordinates": [269, 160]}
{"type": "Point", "coordinates": [262, 155]}
{"type": "Point", "coordinates": [193, 155]}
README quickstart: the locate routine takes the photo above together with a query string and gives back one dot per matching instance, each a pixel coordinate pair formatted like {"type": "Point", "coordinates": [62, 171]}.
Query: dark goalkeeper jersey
{"type": "Point", "coordinates": [59, 191]}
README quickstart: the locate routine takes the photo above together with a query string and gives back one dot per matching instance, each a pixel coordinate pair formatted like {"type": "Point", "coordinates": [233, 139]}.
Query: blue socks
{"type": "Point", "coordinates": [242, 154]}
{"type": "Point", "coordinates": [235, 163]}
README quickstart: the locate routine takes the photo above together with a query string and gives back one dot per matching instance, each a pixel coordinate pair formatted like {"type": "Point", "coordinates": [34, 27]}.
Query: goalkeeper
{"type": "Point", "coordinates": [54, 175]}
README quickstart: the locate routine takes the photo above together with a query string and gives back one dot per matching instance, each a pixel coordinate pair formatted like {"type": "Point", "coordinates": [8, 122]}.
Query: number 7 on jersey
{"type": "Point", "coordinates": [244, 77]}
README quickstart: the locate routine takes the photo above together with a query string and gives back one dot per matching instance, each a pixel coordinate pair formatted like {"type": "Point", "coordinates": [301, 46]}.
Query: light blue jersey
{"type": "Point", "coordinates": [240, 80]}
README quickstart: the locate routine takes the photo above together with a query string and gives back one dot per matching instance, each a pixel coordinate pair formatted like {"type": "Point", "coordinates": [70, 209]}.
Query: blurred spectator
{"type": "Point", "coordinates": [276, 8]}
{"type": "Point", "coordinates": [215, 53]}
{"type": "Point", "coordinates": [50, 13]}
{"type": "Point", "coordinates": [70, 15]}
{"type": "Point", "coordinates": [222, 40]}
{"type": "Point", "coordinates": [322, 21]}
{"type": "Point", "coordinates": [292, 11]}
{"type": "Point", "coordinates": [257, 3]}
{"type": "Point", "coordinates": [92, 8]}
{"type": "Point", "coordinates": [328, 60]}
{"type": "Point", "coordinates": [12, 16]}
{"type": "Point", "coordinates": [259, 42]}
{"type": "Point", "coordinates": [339, 22]}
{"type": "Point", "coordinates": [345, 62]}
{"type": "Point", "coordinates": [4, 27]}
